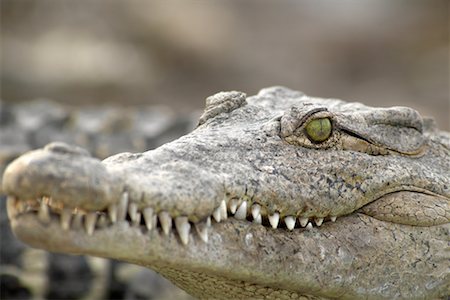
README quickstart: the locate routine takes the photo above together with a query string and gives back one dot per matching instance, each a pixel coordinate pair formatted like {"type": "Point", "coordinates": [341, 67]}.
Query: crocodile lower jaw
{"type": "Point", "coordinates": [237, 250]}
{"type": "Point", "coordinates": [132, 242]}
{"type": "Point", "coordinates": [147, 219]}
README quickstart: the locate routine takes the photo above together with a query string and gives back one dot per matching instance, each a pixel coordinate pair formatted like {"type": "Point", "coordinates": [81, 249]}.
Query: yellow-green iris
{"type": "Point", "coordinates": [318, 130]}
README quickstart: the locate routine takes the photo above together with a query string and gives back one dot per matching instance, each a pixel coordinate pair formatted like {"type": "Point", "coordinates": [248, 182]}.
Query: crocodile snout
{"type": "Point", "coordinates": [63, 172]}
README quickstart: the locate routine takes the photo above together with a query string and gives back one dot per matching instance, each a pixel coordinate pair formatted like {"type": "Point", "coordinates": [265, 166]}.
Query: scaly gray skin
{"type": "Point", "coordinates": [383, 173]}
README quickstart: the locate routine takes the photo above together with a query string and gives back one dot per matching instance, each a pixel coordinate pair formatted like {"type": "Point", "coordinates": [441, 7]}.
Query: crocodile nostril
{"type": "Point", "coordinates": [63, 148]}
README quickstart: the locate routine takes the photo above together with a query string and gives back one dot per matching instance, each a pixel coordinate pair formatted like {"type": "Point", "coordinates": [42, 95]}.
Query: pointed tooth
{"type": "Point", "coordinates": [258, 220]}
{"type": "Point", "coordinates": [132, 211]}
{"type": "Point", "coordinates": [122, 209]}
{"type": "Point", "coordinates": [112, 212]}
{"type": "Point", "coordinates": [137, 219]}
{"type": "Point", "coordinates": [274, 219]}
{"type": "Point", "coordinates": [290, 222]}
{"type": "Point", "coordinates": [89, 222]}
{"type": "Point", "coordinates": [21, 206]}
{"type": "Point", "coordinates": [148, 217]}
{"type": "Point", "coordinates": [44, 213]}
{"type": "Point", "coordinates": [183, 228]}
{"type": "Point", "coordinates": [202, 230]}
{"type": "Point", "coordinates": [10, 207]}
{"type": "Point", "coordinates": [309, 226]}
{"type": "Point", "coordinates": [318, 221]}
{"type": "Point", "coordinates": [223, 210]}
{"type": "Point", "coordinates": [15, 207]}
{"type": "Point", "coordinates": [46, 200]}
{"type": "Point", "coordinates": [303, 221]}
{"type": "Point", "coordinates": [241, 213]}
{"type": "Point", "coordinates": [233, 205]}
{"type": "Point", "coordinates": [333, 218]}
{"type": "Point", "coordinates": [166, 221]}
{"type": "Point", "coordinates": [216, 214]}
{"type": "Point", "coordinates": [66, 217]}
{"type": "Point", "coordinates": [256, 211]}
{"type": "Point", "coordinates": [102, 221]}
{"type": "Point", "coordinates": [208, 222]}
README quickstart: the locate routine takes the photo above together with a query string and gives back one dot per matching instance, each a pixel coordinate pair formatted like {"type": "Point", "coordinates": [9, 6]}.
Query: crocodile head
{"type": "Point", "coordinates": [275, 195]}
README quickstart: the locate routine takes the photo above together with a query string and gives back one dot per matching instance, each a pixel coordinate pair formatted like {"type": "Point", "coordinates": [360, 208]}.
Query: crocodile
{"type": "Point", "coordinates": [275, 196]}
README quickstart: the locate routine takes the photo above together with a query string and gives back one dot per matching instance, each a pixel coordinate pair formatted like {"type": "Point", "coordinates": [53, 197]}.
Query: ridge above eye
{"type": "Point", "coordinates": [318, 130]}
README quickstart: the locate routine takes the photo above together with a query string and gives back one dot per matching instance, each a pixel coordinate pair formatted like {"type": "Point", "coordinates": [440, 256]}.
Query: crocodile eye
{"type": "Point", "coordinates": [318, 130]}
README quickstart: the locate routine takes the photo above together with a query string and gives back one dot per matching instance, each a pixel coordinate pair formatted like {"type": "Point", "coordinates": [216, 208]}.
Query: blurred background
{"type": "Point", "coordinates": [114, 76]}
{"type": "Point", "coordinates": [179, 52]}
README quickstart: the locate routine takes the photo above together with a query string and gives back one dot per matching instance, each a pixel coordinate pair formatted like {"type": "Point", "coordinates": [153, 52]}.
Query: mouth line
{"type": "Point", "coordinates": [147, 219]}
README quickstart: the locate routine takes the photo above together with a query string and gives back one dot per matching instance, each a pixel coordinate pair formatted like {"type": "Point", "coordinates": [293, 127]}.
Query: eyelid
{"type": "Point", "coordinates": [308, 116]}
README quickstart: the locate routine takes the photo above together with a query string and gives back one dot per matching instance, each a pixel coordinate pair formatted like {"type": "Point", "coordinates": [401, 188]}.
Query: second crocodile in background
{"type": "Point", "coordinates": [278, 195]}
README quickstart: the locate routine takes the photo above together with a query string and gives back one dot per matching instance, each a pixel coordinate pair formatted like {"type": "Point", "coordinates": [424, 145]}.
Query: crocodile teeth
{"type": "Point", "coordinates": [202, 230]}
{"type": "Point", "coordinates": [112, 212]}
{"type": "Point", "coordinates": [148, 217]}
{"type": "Point", "coordinates": [223, 210]}
{"type": "Point", "coordinates": [183, 227]}
{"type": "Point", "coordinates": [309, 226]}
{"type": "Point", "coordinates": [46, 200]}
{"type": "Point", "coordinates": [256, 211]}
{"type": "Point", "coordinates": [257, 220]}
{"type": "Point", "coordinates": [122, 209]}
{"type": "Point", "coordinates": [241, 212]}
{"type": "Point", "coordinates": [102, 221]}
{"type": "Point", "coordinates": [89, 222]}
{"type": "Point", "coordinates": [216, 214]}
{"type": "Point", "coordinates": [21, 206]}
{"type": "Point", "coordinates": [166, 221]}
{"type": "Point", "coordinates": [233, 205]}
{"type": "Point", "coordinates": [66, 217]}
{"type": "Point", "coordinates": [137, 220]}
{"type": "Point", "coordinates": [303, 221]}
{"type": "Point", "coordinates": [132, 211]}
{"type": "Point", "coordinates": [274, 219]}
{"type": "Point", "coordinates": [333, 218]}
{"type": "Point", "coordinates": [10, 204]}
{"type": "Point", "coordinates": [44, 213]}
{"type": "Point", "coordinates": [208, 222]}
{"type": "Point", "coordinates": [318, 221]}
{"type": "Point", "coordinates": [290, 222]}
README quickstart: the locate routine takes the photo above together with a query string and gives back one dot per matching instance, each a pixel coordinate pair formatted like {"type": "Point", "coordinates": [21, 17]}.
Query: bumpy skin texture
{"type": "Point", "coordinates": [384, 173]}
